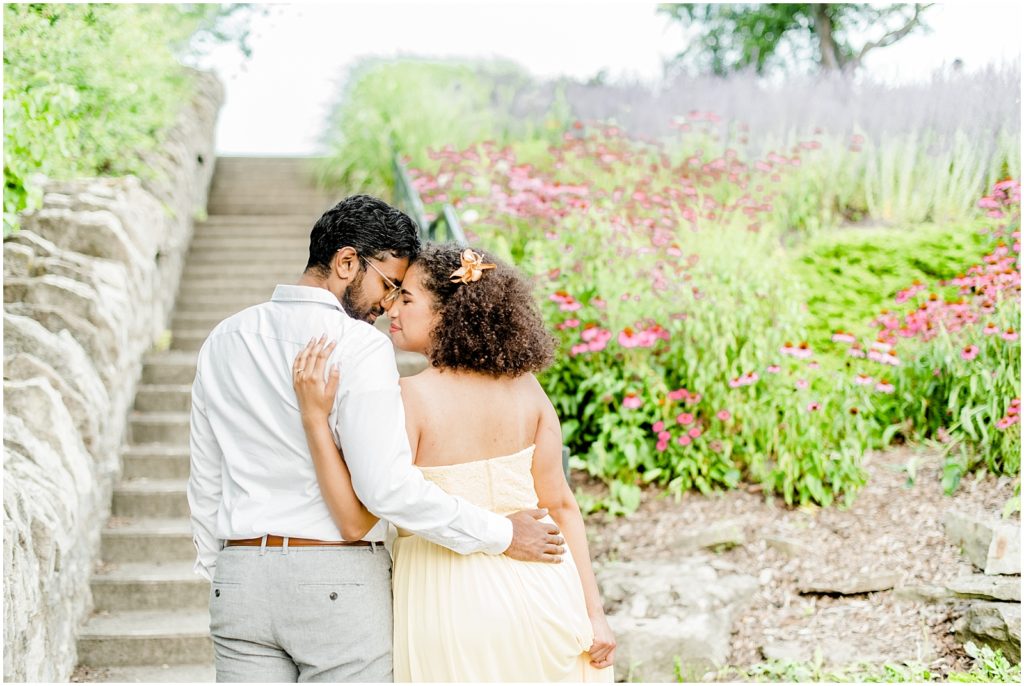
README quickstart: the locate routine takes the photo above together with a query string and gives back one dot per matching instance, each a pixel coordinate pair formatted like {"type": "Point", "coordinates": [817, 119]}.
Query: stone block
{"type": "Point", "coordinates": [986, 587]}
{"type": "Point", "coordinates": [990, 545]}
{"type": "Point", "coordinates": [993, 624]}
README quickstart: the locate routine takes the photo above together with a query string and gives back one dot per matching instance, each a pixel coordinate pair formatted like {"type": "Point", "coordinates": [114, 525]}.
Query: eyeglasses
{"type": "Point", "coordinates": [394, 290]}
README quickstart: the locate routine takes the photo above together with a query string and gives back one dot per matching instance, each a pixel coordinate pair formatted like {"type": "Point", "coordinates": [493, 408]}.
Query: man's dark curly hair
{"type": "Point", "coordinates": [491, 326]}
{"type": "Point", "coordinates": [369, 225]}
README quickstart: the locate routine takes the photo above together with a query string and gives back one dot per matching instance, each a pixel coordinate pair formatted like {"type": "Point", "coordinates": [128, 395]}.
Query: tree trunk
{"type": "Point", "coordinates": [826, 43]}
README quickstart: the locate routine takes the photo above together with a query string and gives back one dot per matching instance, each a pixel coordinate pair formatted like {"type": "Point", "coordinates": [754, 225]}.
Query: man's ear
{"type": "Point", "coordinates": [345, 264]}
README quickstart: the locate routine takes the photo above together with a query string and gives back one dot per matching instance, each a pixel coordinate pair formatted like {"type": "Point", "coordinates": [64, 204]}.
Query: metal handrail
{"type": "Point", "coordinates": [407, 199]}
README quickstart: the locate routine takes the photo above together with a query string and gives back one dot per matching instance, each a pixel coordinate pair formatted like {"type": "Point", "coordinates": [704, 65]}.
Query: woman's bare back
{"type": "Point", "coordinates": [455, 417]}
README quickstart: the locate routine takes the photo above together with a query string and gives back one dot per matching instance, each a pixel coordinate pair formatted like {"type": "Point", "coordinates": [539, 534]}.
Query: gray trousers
{"type": "Point", "coordinates": [302, 614]}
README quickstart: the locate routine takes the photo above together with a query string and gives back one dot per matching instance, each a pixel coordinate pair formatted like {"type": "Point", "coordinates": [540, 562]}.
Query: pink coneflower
{"type": "Point", "coordinates": [724, 415]}
{"type": "Point", "coordinates": [678, 394]}
{"type": "Point", "coordinates": [990, 329]}
{"type": "Point", "coordinates": [662, 446]}
{"type": "Point", "coordinates": [773, 369]}
{"type": "Point", "coordinates": [695, 432]}
{"type": "Point", "coordinates": [813, 364]}
{"type": "Point", "coordinates": [862, 379]}
{"type": "Point", "coordinates": [658, 427]}
{"type": "Point", "coordinates": [969, 353]}
{"type": "Point", "coordinates": [813, 407]}
{"type": "Point", "coordinates": [735, 383]}
{"type": "Point", "coordinates": [632, 401]}
{"type": "Point", "coordinates": [579, 349]}
{"type": "Point", "coordinates": [855, 351]}
{"type": "Point", "coordinates": [884, 386]}
{"type": "Point", "coordinates": [800, 351]}
{"type": "Point", "coordinates": [684, 440]}
{"type": "Point", "coordinates": [841, 336]}
{"type": "Point", "coordinates": [801, 384]}
{"type": "Point", "coordinates": [1010, 335]}
{"type": "Point", "coordinates": [1007, 422]}
{"type": "Point", "coordinates": [664, 435]}
{"type": "Point", "coordinates": [569, 324]}
{"type": "Point", "coordinates": [685, 418]}
{"type": "Point", "coordinates": [628, 338]}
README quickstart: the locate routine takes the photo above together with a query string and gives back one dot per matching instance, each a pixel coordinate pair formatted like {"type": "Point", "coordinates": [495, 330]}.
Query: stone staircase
{"type": "Point", "coordinates": [151, 621]}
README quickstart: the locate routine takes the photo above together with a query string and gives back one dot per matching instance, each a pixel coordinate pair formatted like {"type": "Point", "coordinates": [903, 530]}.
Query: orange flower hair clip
{"type": "Point", "coordinates": [472, 268]}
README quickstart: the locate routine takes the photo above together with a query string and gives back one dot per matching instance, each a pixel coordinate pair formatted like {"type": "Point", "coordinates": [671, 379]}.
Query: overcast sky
{"type": "Point", "coordinates": [278, 99]}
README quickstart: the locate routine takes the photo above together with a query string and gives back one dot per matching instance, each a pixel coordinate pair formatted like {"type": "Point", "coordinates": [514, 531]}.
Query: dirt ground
{"type": "Point", "coordinates": [892, 527]}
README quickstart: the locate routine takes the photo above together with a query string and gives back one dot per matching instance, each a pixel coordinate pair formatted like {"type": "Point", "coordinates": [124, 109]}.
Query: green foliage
{"type": "Point", "coordinates": [989, 667]}
{"type": "Point", "coordinates": [760, 36]}
{"type": "Point", "coordinates": [86, 87]}
{"type": "Point", "coordinates": [852, 274]}
{"type": "Point", "coordinates": [411, 105]}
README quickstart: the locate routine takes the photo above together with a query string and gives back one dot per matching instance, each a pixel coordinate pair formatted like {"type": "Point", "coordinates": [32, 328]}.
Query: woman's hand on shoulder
{"type": "Point", "coordinates": [315, 393]}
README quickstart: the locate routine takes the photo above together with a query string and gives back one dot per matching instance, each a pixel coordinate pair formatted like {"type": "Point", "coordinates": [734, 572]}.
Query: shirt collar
{"type": "Point", "coordinates": [306, 294]}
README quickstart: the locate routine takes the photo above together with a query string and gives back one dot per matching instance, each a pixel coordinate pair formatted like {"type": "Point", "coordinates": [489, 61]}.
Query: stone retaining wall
{"type": "Point", "coordinates": [89, 284]}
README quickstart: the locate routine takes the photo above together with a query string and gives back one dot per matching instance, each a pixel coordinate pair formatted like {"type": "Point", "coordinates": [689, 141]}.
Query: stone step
{"type": "Point", "coordinates": [146, 637]}
{"type": "Point", "coordinates": [229, 164]}
{"type": "Point", "coordinates": [169, 428]}
{"type": "Point", "coordinates": [149, 586]}
{"type": "Point", "coordinates": [231, 204]}
{"type": "Point", "coordinates": [151, 674]}
{"type": "Point", "coordinates": [169, 367]}
{"type": "Point", "coordinates": [199, 320]}
{"type": "Point", "coordinates": [152, 540]}
{"type": "Point", "coordinates": [200, 295]}
{"type": "Point", "coordinates": [150, 499]}
{"type": "Point", "coordinates": [155, 461]}
{"type": "Point", "coordinates": [279, 273]}
{"type": "Point", "coordinates": [216, 312]}
{"type": "Point", "coordinates": [188, 339]}
{"type": "Point", "coordinates": [214, 301]}
{"type": "Point", "coordinates": [164, 397]}
{"type": "Point", "coordinates": [242, 245]}
{"type": "Point", "coordinates": [258, 193]}
{"type": "Point", "coordinates": [258, 260]}
{"type": "Point", "coordinates": [245, 224]}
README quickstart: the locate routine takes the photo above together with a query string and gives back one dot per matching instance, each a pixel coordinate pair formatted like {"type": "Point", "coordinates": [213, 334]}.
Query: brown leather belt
{"type": "Point", "coordinates": [278, 542]}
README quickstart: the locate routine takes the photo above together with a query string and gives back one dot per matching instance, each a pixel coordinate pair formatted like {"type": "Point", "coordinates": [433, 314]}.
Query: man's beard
{"type": "Point", "coordinates": [353, 301]}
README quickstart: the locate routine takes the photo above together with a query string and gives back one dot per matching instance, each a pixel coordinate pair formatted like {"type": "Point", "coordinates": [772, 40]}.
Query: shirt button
{"type": "Point", "coordinates": [217, 593]}
{"type": "Point", "coordinates": [333, 596]}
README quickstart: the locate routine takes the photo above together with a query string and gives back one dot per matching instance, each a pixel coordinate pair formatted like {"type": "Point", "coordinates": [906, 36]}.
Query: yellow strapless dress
{"type": "Point", "coordinates": [488, 617]}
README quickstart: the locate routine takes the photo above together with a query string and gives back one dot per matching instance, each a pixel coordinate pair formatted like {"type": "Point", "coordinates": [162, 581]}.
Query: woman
{"type": "Point", "coordinates": [480, 426]}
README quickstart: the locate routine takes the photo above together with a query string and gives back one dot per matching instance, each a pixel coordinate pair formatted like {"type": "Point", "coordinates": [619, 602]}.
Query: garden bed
{"type": "Point", "coordinates": [894, 526]}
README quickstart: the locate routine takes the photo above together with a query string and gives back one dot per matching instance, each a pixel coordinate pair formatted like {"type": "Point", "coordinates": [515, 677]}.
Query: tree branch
{"type": "Point", "coordinates": [893, 36]}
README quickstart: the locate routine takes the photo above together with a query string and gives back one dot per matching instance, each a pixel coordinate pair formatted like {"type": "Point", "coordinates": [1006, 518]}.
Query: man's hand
{"type": "Point", "coordinates": [534, 541]}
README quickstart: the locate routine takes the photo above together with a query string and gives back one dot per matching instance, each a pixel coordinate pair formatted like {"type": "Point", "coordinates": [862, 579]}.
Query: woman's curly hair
{"type": "Point", "coordinates": [491, 326]}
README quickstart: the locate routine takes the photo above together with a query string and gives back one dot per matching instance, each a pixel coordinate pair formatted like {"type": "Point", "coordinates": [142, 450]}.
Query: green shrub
{"type": "Point", "coordinates": [88, 86]}
{"type": "Point", "coordinates": [412, 105]}
{"type": "Point", "coordinates": [852, 274]}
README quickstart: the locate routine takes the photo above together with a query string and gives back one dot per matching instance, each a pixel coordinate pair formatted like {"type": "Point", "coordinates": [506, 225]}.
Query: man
{"type": "Point", "coordinates": [290, 599]}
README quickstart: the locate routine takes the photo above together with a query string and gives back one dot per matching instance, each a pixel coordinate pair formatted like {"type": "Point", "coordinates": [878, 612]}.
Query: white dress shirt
{"type": "Point", "coordinates": [251, 471]}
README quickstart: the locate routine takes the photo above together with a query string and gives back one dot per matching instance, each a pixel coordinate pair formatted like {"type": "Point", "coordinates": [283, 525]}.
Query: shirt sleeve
{"type": "Point", "coordinates": [204, 484]}
{"type": "Point", "coordinates": [369, 425]}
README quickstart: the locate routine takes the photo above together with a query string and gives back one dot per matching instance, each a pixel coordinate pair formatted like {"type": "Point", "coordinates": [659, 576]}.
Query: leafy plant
{"type": "Point", "coordinates": [87, 87]}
